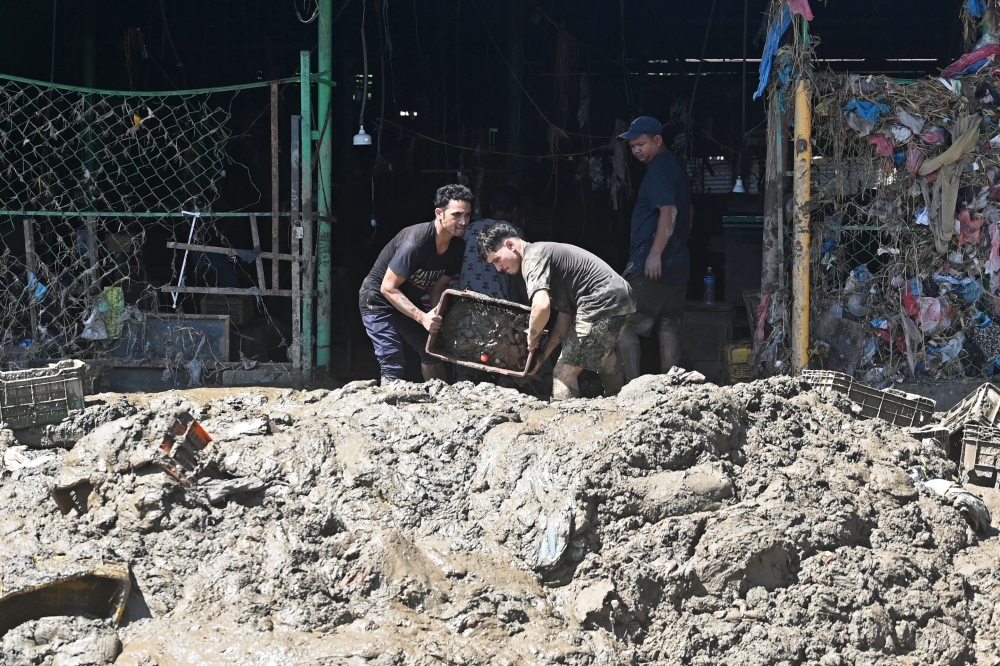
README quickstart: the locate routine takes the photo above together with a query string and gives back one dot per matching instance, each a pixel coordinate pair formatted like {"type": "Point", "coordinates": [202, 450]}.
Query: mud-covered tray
{"type": "Point", "coordinates": [482, 332]}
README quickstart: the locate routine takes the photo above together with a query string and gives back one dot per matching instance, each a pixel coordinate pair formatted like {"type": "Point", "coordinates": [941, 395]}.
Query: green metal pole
{"type": "Point", "coordinates": [323, 203]}
{"type": "Point", "coordinates": [307, 219]}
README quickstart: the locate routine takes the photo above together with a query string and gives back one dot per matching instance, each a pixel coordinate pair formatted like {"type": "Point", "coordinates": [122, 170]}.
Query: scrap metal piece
{"type": "Point", "coordinates": [181, 448]}
{"type": "Point", "coordinates": [59, 586]}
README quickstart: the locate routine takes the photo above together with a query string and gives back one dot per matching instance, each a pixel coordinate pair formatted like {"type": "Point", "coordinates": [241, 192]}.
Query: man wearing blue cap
{"type": "Point", "coordinates": [659, 264]}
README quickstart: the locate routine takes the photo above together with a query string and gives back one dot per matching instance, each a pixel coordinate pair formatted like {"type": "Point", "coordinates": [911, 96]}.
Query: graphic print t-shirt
{"type": "Point", "coordinates": [413, 255]}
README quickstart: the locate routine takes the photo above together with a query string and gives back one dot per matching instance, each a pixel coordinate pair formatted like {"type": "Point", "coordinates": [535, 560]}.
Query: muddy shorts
{"type": "Point", "coordinates": [657, 305]}
{"type": "Point", "coordinates": [389, 332]}
{"type": "Point", "coordinates": [588, 343]}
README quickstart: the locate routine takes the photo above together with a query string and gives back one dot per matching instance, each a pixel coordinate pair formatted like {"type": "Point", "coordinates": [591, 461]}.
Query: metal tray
{"type": "Point", "coordinates": [448, 298]}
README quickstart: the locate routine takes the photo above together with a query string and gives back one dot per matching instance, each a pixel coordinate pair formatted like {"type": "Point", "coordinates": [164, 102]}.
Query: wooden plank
{"type": "Point", "coordinates": [164, 337]}
{"type": "Point", "coordinates": [295, 351]}
{"type": "Point", "coordinates": [231, 251]}
{"type": "Point", "coordinates": [259, 261]}
{"type": "Point", "coordinates": [92, 250]}
{"type": "Point", "coordinates": [228, 291]}
{"type": "Point", "coordinates": [32, 265]}
{"type": "Point", "coordinates": [275, 235]}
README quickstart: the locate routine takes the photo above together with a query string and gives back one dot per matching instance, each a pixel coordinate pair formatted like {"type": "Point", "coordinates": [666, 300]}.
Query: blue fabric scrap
{"type": "Point", "coordinates": [975, 7]}
{"type": "Point", "coordinates": [870, 111]}
{"type": "Point", "coordinates": [774, 33]}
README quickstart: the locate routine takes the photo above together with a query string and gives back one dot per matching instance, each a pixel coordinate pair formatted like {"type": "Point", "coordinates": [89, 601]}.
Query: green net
{"type": "Point", "coordinates": [69, 150]}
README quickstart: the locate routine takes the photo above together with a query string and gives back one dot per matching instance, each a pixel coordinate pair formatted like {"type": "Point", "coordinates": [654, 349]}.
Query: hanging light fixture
{"type": "Point", "coordinates": [737, 188]}
{"type": "Point", "coordinates": [362, 138]}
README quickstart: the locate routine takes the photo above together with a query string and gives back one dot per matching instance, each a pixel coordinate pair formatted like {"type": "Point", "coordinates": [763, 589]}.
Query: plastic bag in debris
{"type": "Point", "coordinates": [922, 217]}
{"type": "Point", "coordinates": [94, 327]}
{"type": "Point", "coordinates": [965, 288]}
{"type": "Point", "coordinates": [971, 61]}
{"type": "Point", "coordinates": [855, 305]}
{"type": "Point", "coordinates": [774, 33]}
{"type": "Point", "coordinates": [914, 158]}
{"type": "Point", "coordinates": [859, 124]}
{"type": "Point", "coordinates": [802, 8]}
{"type": "Point", "coordinates": [870, 111]}
{"type": "Point", "coordinates": [901, 133]}
{"type": "Point", "coordinates": [911, 121]}
{"type": "Point", "coordinates": [987, 96]}
{"type": "Point", "coordinates": [993, 263]}
{"type": "Point", "coordinates": [975, 7]}
{"type": "Point", "coordinates": [930, 314]}
{"type": "Point", "coordinates": [934, 135]}
{"type": "Point", "coordinates": [970, 228]}
{"type": "Point", "coordinates": [911, 297]}
{"type": "Point", "coordinates": [972, 507]}
{"type": "Point", "coordinates": [950, 351]}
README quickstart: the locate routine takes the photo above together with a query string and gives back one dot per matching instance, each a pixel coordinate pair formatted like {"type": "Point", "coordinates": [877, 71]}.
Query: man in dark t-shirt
{"type": "Point", "coordinates": [659, 264]}
{"type": "Point", "coordinates": [592, 300]}
{"type": "Point", "coordinates": [420, 260]}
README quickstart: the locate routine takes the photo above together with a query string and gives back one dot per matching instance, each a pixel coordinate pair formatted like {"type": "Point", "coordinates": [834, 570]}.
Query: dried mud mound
{"type": "Point", "coordinates": [430, 524]}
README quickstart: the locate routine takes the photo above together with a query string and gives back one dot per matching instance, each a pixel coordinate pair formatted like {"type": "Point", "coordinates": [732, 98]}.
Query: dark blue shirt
{"type": "Point", "coordinates": [666, 184]}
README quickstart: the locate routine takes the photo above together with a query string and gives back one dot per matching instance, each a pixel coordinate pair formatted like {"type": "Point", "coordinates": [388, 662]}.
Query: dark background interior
{"type": "Point", "coordinates": [449, 65]}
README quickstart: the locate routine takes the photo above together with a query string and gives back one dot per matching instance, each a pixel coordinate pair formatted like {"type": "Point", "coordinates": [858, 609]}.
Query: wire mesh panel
{"type": "Point", "coordinates": [94, 185]}
{"type": "Point", "coordinates": [71, 150]}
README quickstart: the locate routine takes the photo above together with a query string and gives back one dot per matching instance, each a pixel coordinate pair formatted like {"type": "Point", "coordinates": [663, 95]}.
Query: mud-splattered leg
{"type": "Point", "coordinates": [435, 371]}
{"type": "Point", "coordinates": [628, 351]}
{"type": "Point", "coordinates": [670, 348]}
{"type": "Point", "coordinates": [565, 384]}
{"type": "Point", "coordinates": [612, 375]}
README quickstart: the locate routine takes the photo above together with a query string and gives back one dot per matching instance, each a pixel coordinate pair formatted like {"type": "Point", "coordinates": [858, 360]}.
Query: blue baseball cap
{"type": "Point", "coordinates": [642, 125]}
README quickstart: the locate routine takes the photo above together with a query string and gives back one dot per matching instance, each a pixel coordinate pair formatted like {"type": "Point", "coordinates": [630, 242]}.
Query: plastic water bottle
{"type": "Point", "coordinates": [709, 287]}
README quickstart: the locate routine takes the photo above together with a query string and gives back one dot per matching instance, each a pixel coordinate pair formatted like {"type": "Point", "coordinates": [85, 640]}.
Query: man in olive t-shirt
{"type": "Point", "coordinates": [592, 300]}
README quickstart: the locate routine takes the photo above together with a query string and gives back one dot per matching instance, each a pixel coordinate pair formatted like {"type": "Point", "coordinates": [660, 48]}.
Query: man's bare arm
{"type": "Point", "coordinates": [390, 289]}
{"type": "Point", "coordinates": [541, 309]}
{"type": "Point", "coordinates": [664, 230]}
{"type": "Point", "coordinates": [438, 289]}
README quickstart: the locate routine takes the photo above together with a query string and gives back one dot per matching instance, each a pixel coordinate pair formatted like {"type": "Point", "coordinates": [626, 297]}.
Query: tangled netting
{"type": "Point", "coordinates": [67, 149]}
{"type": "Point", "coordinates": [86, 176]}
{"type": "Point", "coordinates": [906, 181]}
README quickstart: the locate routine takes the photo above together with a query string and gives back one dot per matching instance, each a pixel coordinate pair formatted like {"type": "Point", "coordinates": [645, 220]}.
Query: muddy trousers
{"type": "Point", "coordinates": [389, 333]}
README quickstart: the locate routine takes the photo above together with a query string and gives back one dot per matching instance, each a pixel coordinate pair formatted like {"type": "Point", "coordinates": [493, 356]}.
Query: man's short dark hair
{"type": "Point", "coordinates": [491, 238]}
{"type": "Point", "coordinates": [452, 193]}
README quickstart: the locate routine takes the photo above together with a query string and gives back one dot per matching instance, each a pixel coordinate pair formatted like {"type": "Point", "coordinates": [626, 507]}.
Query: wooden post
{"type": "Point", "coordinates": [801, 240]}
{"type": "Point", "coordinates": [296, 349]}
{"type": "Point", "coordinates": [255, 234]}
{"type": "Point", "coordinates": [92, 250]}
{"type": "Point", "coordinates": [31, 263]}
{"type": "Point", "coordinates": [275, 217]}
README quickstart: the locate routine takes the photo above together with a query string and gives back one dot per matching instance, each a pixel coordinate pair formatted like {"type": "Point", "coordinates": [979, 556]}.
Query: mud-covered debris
{"type": "Point", "coordinates": [762, 523]}
{"type": "Point", "coordinates": [489, 334]}
{"type": "Point", "coordinates": [61, 641]}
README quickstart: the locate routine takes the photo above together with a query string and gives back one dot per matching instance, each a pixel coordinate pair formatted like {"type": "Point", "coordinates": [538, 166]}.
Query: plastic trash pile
{"type": "Point", "coordinates": [907, 184]}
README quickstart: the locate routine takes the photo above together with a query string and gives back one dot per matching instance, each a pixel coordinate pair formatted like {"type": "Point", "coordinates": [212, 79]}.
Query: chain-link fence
{"type": "Point", "coordinates": [94, 184]}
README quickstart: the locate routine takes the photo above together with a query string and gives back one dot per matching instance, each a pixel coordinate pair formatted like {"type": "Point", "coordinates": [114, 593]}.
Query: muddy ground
{"type": "Point", "coordinates": [761, 524]}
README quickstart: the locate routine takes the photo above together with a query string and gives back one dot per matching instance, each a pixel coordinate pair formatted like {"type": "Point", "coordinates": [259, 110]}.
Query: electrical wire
{"type": "Point", "coordinates": [304, 6]}
{"type": "Point", "coordinates": [412, 133]}
{"type": "Point", "coordinates": [511, 70]}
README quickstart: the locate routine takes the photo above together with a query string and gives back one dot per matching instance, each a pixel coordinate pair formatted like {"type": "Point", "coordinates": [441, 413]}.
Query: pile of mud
{"type": "Point", "coordinates": [487, 333]}
{"type": "Point", "coordinates": [418, 524]}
